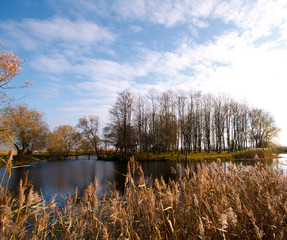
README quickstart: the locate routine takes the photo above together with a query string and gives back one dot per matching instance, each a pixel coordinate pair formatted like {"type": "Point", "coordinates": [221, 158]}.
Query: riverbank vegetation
{"type": "Point", "coordinates": [206, 203]}
{"type": "Point", "coordinates": [109, 155]}
{"type": "Point", "coordinates": [250, 154]}
{"type": "Point", "coordinates": [161, 124]}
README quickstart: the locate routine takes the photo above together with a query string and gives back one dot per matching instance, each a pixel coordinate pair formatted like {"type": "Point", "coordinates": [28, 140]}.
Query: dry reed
{"type": "Point", "coordinates": [212, 203]}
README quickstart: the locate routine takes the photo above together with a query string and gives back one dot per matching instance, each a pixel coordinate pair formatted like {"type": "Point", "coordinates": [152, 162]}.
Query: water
{"type": "Point", "coordinates": [63, 176]}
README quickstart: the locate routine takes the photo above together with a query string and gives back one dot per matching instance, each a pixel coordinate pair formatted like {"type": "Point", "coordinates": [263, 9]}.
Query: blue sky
{"type": "Point", "coordinates": [80, 53]}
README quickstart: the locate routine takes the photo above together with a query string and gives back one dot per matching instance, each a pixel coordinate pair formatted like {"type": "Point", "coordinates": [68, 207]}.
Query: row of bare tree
{"type": "Point", "coordinates": [185, 121]}
{"type": "Point", "coordinates": [158, 122]}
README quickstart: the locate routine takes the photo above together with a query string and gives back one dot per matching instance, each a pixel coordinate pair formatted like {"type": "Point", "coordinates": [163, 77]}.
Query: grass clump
{"type": "Point", "coordinates": [250, 154]}
{"type": "Point", "coordinates": [255, 153]}
{"type": "Point", "coordinates": [210, 203]}
{"type": "Point", "coordinates": [178, 156]}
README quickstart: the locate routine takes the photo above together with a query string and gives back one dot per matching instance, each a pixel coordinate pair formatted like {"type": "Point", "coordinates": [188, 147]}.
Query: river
{"type": "Point", "coordinates": [63, 176]}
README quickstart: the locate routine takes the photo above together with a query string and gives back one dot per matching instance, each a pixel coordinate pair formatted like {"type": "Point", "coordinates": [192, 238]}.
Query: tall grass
{"type": "Point", "coordinates": [212, 203]}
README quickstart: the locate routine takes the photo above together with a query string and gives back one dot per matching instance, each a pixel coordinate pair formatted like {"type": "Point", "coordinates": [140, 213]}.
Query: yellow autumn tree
{"type": "Point", "coordinates": [25, 129]}
{"type": "Point", "coordinates": [9, 68]}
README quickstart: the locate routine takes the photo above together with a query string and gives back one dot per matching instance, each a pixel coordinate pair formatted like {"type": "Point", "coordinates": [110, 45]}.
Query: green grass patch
{"type": "Point", "coordinates": [204, 156]}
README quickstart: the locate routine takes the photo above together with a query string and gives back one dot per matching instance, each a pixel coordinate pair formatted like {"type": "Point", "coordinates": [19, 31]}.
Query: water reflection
{"type": "Point", "coordinates": [62, 177]}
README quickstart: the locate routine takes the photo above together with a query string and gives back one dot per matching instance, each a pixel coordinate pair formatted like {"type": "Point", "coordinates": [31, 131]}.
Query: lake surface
{"type": "Point", "coordinates": [63, 176]}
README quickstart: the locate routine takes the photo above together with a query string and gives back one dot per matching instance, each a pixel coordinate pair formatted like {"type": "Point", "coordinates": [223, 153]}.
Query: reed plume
{"type": "Point", "coordinates": [210, 203]}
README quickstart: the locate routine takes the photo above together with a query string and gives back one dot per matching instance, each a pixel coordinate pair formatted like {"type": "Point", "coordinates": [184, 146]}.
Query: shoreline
{"type": "Point", "coordinates": [247, 155]}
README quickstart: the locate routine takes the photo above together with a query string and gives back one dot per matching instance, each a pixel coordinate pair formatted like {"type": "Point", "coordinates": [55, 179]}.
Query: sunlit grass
{"type": "Point", "coordinates": [205, 156]}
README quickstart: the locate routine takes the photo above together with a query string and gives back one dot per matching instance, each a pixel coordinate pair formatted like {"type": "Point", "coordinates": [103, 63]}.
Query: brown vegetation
{"type": "Point", "coordinates": [211, 203]}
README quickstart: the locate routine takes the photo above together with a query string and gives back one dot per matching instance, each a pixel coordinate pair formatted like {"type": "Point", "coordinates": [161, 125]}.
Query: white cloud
{"type": "Point", "coordinates": [259, 77]}
{"type": "Point", "coordinates": [104, 89]}
{"type": "Point", "coordinates": [53, 64]}
{"type": "Point", "coordinates": [32, 33]}
{"type": "Point", "coordinates": [102, 70]}
{"type": "Point", "coordinates": [136, 28]}
{"type": "Point", "coordinates": [78, 8]}
{"type": "Point", "coordinates": [50, 90]}
{"type": "Point", "coordinates": [72, 114]}
{"type": "Point", "coordinates": [67, 30]}
{"type": "Point", "coordinates": [257, 18]}
{"type": "Point", "coordinates": [168, 13]}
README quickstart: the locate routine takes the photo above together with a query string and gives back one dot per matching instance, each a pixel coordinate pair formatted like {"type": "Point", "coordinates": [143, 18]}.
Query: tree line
{"type": "Point", "coordinates": [185, 121]}
{"type": "Point", "coordinates": [159, 122]}
{"type": "Point", "coordinates": [27, 132]}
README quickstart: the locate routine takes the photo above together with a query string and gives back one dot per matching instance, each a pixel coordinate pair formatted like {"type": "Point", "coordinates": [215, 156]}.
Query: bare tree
{"type": "Point", "coordinates": [219, 120]}
{"type": "Point", "coordinates": [167, 126]}
{"type": "Point", "coordinates": [189, 121]}
{"type": "Point", "coordinates": [90, 131]}
{"type": "Point", "coordinates": [198, 122]}
{"type": "Point", "coordinates": [262, 128]}
{"type": "Point", "coordinates": [207, 114]}
{"type": "Point", "coordinates": [153, 98]}
{"type": "Point", "coordinates": [121, 124]}
{"type": "Point", "coordinates": [181, 106]}
{"type": "Point", "coordinates": [141, 124]}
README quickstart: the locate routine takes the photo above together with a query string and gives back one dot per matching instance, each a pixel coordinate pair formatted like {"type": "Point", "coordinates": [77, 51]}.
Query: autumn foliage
{"type": "Point", "coordinates": [25, 129]}
{"type": "Point", "coordinates": [9, 68]}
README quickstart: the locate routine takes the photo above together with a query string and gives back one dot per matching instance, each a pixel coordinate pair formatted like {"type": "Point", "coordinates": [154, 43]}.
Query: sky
{"type": "Point", "coordinates": [81, 53]}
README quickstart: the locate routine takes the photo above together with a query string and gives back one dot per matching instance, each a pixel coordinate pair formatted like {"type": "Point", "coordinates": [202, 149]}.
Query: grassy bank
{"type": "Point", "coordinates": [200, 156]}
{"type": "Point", "coordinates": [243, 203]}
{"type": "Point", "coordinates": [250, 154]}
{"type": "Point", "coordinates": [26, 160]}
